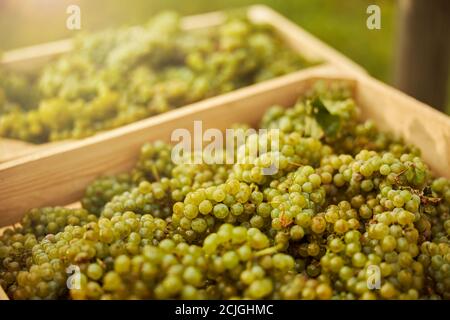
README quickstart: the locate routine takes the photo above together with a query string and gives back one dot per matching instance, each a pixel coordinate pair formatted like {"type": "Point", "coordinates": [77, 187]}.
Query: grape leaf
{"type": "Point", "coordinates": [329, 122]}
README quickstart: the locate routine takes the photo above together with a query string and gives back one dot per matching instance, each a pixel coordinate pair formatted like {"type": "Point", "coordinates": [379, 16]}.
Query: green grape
{"type": "Point", "coordinates": [102, 190]}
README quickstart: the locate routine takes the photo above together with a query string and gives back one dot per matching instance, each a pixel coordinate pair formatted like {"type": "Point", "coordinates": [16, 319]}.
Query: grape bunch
{"type": "Point", "coordinates": [17, 91]}
{"type": "Point", "coordinates": [349, 213]}
{"type": "Point", "coordinates": [103, 189]}
{"type": "Point", "coordinates": [17, 244]}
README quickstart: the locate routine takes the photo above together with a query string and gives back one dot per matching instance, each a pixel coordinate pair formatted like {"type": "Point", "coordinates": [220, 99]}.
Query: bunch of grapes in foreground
{"type": "Point", "coordinates": [349, 213]}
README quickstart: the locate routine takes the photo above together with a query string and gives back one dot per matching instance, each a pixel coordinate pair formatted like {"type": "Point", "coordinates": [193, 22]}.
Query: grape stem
{"type": "Point", "coordinates": [266, 251]}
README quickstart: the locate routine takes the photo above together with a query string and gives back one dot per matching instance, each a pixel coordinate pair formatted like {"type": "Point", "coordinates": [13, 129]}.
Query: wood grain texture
{"type": "Point", "coordinates": [13, 149]}
{"type": "Point", "coordinates": [34, 57]}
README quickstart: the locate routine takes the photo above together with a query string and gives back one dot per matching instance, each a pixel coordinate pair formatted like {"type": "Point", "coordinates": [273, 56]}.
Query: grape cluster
{"type": "Point", "coordinates": [77, 247]}
{"type": "Point", "coordinates": [103, 189]}
{"type": "Point", "coordinates": [154, 162]}
{"type": "Point", "coordinates": [370, 223]}
{"type": "Point", "coordinates": [435, 259]}
{"type": "Point", "coordinates": [299, 286]}
{"type": "Point", "coordinates": [271, 161]}
{"type": "Point", "coordinates": [17, 244]}
{"type": "Point", "coordinates": [437, 209]}
{"type": "Point", "coordinates": [41, 222]}
{"type": "Point", "coordinates": [17, 91]}
{"type": "Point", "coordinates": [205, 208]}
{"type": "Point", "coordinates": [168, 270]}
{"type": "Point", "coordinates": [332, 117]}
{"type": "Point", "coordinates": [116, 77]}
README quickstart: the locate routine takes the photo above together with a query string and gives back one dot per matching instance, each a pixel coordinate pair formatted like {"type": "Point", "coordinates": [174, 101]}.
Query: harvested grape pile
{"type": "Point", "coordinates": [17, 92]}
{"type": "Point", "coordinates": [116, 77]}
{"type": "Point", "coordinates": [352, 213]}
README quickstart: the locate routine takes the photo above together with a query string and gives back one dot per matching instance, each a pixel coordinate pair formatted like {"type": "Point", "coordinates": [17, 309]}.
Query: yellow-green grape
{"type": "Point", "coordinates": [103, 189]}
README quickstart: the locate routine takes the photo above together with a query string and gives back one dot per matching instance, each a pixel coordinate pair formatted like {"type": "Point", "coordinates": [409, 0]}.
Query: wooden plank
{"type": "Point", "coordinates": [32, 58]}
{"type": "Point", "coordinates": [13, 149]}
{"type": "Point", "coordinates": [59, 175]}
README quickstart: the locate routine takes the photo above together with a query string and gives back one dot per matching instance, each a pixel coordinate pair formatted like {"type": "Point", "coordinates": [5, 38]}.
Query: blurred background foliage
{"type": "Point", "coordinates": [342, 24]}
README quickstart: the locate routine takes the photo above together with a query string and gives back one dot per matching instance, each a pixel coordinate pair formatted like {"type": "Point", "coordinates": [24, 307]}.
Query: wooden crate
{"type": "Point", "coordinates": [299, 40]}
{"type": "Point", "coordinates": [59, 176]}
